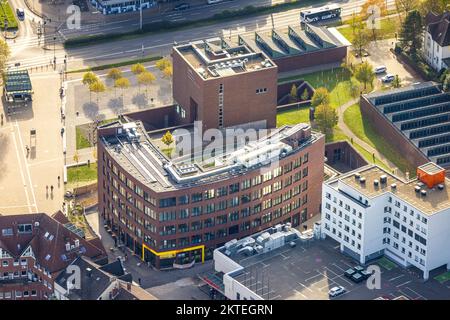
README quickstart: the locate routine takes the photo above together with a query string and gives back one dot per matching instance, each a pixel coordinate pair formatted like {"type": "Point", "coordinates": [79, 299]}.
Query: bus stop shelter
{"type": "Point", "coordinates": [17, 87]}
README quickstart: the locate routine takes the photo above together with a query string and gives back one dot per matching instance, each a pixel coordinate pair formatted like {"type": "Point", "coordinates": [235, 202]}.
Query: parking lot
{"type": "Point", "coordinates": [380, 54]}
{"type": "Point", "coordinates": [309, 271]}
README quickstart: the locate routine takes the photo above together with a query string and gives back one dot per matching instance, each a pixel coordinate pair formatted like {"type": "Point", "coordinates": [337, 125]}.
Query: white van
{"type": "Point", "coordinates": [380, 69]}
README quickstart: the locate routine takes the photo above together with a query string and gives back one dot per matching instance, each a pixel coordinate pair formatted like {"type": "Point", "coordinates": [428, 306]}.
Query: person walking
{"type": "Point", "coordinates": [51, 188]}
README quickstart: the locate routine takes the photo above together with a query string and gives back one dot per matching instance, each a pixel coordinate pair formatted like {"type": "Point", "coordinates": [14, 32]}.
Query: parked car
{"type": "Point", "coordinates": [365, 274]}
{"type": "Point", "coordinates": [20, 14]}
{"type": "Point", "coordinates": [349, 272]}
{"type": "Point", "coordinates": [336, 291]}
{"type": "Point", "coordinates": [358, 268]}
{"type": "Point", "coordinates": [181, 6]}
{"type": "Point", "coordinates": [357, 277]}
{"type": "Point", "coordinates": [380, 69]}
{"type": "Point", "coordinates": [388, 78]}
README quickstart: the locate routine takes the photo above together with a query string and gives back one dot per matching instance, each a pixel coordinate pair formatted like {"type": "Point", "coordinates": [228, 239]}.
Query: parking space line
{"type": "Point", "coordinates": [404, 283]}
{"type": "Point", "coordinates": [418, 295]}
{"type": "Point", "coordinates": [402, 275]}
{"type": "Point", "coordinates": [307, 288]}
{"type": "Point", "coordinates": [298, 292]}
{"type": "Point", "coordinates": [348, 265]}
{"type": "Point", "coordinates": [312, 277]}
{"type": "Point", "coordinates": [339, 276]}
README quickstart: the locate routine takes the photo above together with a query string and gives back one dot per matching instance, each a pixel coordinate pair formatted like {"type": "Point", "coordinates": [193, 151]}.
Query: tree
{"type": "Point", "coordinates": [4, 55]}
{"type": "Point", "coordinates": [410, 36]}
{"type": "Point", "coordinates": [168, 71]}
{"type": "Point", "coordinates": [355, 87]}
{"type": "Point", "coordinates": [97, 87]}
{"type": "Point", "coordinates": [305, 95]}
{"type": "Point", "coordinates": [364, 73]}
{"type": "Point", "coordinates": [404, 6]}
{"type": "Point", "coordinates": [446, 83]}
{"type": "Point", "coordinates": [163, 63]}
{"type": "Point", "coordinates": [122, 83]}
{"type": "Point", "coordinates": [167, 139]}
{"type": "Point", "coordinates": [137, 69]}
{"type": "Point", "coordinates": [146, 78]}
{"type": "Point", "coordinates": [371, 12]}
{"type": "Point", "coordinates": [293, 93]}
{"type": "Point", "coordinates": [437, 6]}
{"type": "Point", "coordinates": [320, 96]}
{"type": "Point", "coordinates": [397, 83]}
{"type": "Point", "coordinates": [114, 74]}
{"type": "Point", "coordinates": [88, 79]}
{"type": "Point", "coordinates": [361, 40]}
{"type": "Point", "coordinates": [326, 118]}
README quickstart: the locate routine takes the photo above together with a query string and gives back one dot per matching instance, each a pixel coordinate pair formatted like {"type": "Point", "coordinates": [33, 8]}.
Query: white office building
{"type": "Point", "coordinates": [371, 213]}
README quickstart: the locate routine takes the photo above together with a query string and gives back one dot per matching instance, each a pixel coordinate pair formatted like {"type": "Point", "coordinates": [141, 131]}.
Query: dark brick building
{"type": "Point", "coordinates": [172, 212]}
{"type": "Point", "coordinates": [212, 83]}
{"type": "Point", "coordinates": [34, 250]}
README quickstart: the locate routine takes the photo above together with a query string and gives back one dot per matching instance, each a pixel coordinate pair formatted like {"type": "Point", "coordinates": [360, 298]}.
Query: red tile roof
{"type": "Point", "coordinates": [48, 241]}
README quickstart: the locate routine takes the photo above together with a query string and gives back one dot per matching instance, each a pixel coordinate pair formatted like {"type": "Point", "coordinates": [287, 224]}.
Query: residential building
{"type": "Point", "coordinates": [212, 82]}
{"type": "Point", "coordinates": [415, 119]}
{"type": "Point", "coordinates": [35, 249]}
{"type": "Point", "coordinates": [108, 282]}
{"type": "Point", "coordinates": [172, 211]}
{"type": "Point", "coordinates": [372, 212]}
{"type": "Point", "coordinates": [436, 42]}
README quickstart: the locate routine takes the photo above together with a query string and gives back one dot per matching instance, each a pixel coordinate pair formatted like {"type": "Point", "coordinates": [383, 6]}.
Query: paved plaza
{"type": "Point", "coordinates": [25, 175]}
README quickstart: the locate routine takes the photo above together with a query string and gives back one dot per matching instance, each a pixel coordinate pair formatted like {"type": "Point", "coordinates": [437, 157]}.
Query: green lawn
{"type": "Point", "coordinates": [364, 130]}
{"type": "Point", "coordinates": [386, 263]}
{"type": "Point", "coordinates": [83, 173]}
{"type": "Point", "coordinates": [81, 140]}
{"type": "Point", "coordinates": [336, 81]}
{"type": "Point", "coordinates": [389, 27]}
{"type": "Point", "coordinates": [6, 13]}
{"type": "Point", "coordinates": [293, 116]}
{"type": "Point", "coordinates": [443, 277]}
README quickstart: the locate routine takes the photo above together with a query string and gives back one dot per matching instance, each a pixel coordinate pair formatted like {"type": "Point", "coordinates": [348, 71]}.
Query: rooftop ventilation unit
{"type": "Point", "coordinates": [394, 186]}
{"type": "Point", "coordinates": [357, 176]}
{"type": "Point", "coordinates": [417, 188]}
{"type": "Point", "coordinates": [383, 178]}
{"type": "Point", "coordinates": [362, 180]}
{"type": "Point", "coordinates": [423, 193]}
{"type": "Point", "coordinates": [375, 182]}
{"type": "Point", "coordinates": [440, 186]}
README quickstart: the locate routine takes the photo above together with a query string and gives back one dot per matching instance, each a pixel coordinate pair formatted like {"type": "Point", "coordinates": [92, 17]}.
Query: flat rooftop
{"type": "Point", "coordinates": [434, 201]}
{"type": "Point", "coordinates": [214, 58]}
{"type": "Point", "coordinates": [431, 168]}
{"type": "Point", "coordinates": [139, 154]}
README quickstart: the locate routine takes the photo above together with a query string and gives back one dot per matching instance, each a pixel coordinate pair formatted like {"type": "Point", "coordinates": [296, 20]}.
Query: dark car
{"type": "Point", "coordinates": [349, 272]}
{"type": "Point", "coordinates": [365, 274]}
{"type": "Point", "coordinates": [358, 268]}
{"type": "Point", "coordinates": [181, 6]}
{"type": "Point", "coordinates": [357, 277]}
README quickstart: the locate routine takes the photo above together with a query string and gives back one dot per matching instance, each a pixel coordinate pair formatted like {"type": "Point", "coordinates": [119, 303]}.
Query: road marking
{"type": "Point", "coordinates": [21, 173]}
{"type": "Point", "coordinates": [317, 275]}
{"type": "Point", "coordinates": [402, 275]}
{"type": "Point", "coordinates": [404, 283]}
{"type": "Point", "coordinates": [304, 297]}
{"type": "Point", "coordinates": [307, 288]}
{"type": "Point", "coordinates": [26, 166]}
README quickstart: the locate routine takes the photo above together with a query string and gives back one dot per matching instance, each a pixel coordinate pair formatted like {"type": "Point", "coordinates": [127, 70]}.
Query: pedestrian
{"type": "Point", "coordinates": [59, 178]}
{"type": "Point", "coordinates": [51, 188]}
{"type": "Point", "coordinates": [139, 280]}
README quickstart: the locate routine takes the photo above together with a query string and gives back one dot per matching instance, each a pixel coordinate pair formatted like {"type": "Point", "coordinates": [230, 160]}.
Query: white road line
{"type": "Point", "coordinates": [22, 206]}
{"type": "Point", "coordinates": [21, 173]}
{"type": "Point", "coordinates": [307, 288]}
{"type": "Point", "coordinates": [402, 275]}
{"type": "Point", "coordinates": [304, 297]}
{"type": "Point", "coordinates": [403, 284]}
{"type": "Point", "coordinates": [317, 275]}
{"type": "Point", "coordinates": [26, 166]}
{"type": "Point", "coordinates": [419, 295]}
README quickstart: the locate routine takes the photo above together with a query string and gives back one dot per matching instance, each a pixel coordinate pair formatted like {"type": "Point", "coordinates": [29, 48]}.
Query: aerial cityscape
{"type": "Point", "coordinates": [225, 150]}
